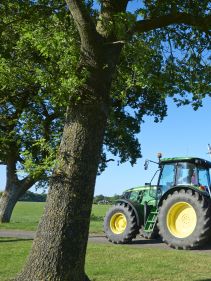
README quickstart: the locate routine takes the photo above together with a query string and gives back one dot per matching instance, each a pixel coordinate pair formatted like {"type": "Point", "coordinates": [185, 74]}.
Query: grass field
{"type": "Point", "coordinates": [119, 263]}
{"type": "Point", "coordinates": [26, 216]}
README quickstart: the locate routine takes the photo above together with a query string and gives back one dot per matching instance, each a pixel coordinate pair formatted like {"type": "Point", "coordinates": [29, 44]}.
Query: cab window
{"type": "Point", "coordinates": [167, 177]}
{"type": "Point", "coordinates": [203, 177]}
{"type": "Point", "coordinates": [186, 174]}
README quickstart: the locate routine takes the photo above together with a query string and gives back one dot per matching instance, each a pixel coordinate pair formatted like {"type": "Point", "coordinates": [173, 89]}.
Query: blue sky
{"type": "Point", "coordinates": [184, 132]}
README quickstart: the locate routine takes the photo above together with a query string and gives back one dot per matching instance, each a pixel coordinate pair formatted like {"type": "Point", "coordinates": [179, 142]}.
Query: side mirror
{"type": "Point", "coordinates": [146, 164]}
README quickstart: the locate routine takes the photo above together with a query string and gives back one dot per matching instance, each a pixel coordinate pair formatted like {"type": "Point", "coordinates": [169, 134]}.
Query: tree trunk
{"type": "Point", "coordinates": [7, 203]}
{"type": "Point", "coordinates": [58, 252]}
{"type": "Point", "coordinates": [14, 189]}
{"type": "Point", "coordinates": [10, 197]}
{"type": "Point", "coordinates": [12, 192]}
{"type": "Point", "coordinates": [59, 249]}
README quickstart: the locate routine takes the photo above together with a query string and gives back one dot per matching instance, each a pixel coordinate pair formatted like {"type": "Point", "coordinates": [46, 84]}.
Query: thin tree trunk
{"type": "Point", "coordinates": [11, 193]}
{"type": "Point", "coordinates": [14, 189]}
{"type": "Point", "coordinates": [7, 204]}
{"type": "Point", "coordinates": [10, 197]}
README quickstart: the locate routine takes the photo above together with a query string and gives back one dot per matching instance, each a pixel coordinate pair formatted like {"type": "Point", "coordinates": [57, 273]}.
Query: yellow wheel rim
{"type": "Point", "coordinates": [181, 219]}
{"type": "Point", "coordinates": [118, 223]}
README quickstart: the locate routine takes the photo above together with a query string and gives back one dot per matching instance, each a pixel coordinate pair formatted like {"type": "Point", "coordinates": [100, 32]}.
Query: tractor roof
{"type": "Point", "coordinates": [194, 160]}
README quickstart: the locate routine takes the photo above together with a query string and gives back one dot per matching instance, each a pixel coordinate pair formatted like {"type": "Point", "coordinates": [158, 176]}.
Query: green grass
{"type": "Point", "coordinates": [97, 217]}
{"type": "Point", "coordinates": [13, 253]}
{"type": "Point", "coordinates": [26, 216]}
{"type": "Point", "coordinates": [119, 263]}
{"type": "Point", "coordinates": [123, 263]}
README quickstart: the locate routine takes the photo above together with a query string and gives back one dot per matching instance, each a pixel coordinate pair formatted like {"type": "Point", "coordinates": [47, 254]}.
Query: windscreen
{"type": "Point", "coordinates": [186, 174]}
{"type": "Point", "coordinates": [167, 177]}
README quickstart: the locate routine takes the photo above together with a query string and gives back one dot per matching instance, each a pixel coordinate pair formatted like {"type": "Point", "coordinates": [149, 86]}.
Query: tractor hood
{"type": "Point", "coordinates": [145, 193]}
{"type": "Point", "coordinates": [141, 188]}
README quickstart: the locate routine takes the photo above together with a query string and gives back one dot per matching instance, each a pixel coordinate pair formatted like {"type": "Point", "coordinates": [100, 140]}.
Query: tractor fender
{"type": "Point", "coordinates": [165, 195]}
{"type": "Point", "coordinates": [135, 207]}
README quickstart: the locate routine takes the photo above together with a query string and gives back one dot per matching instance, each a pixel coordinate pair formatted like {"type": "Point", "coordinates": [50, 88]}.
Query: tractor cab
{"type": "Point", "coordinates": [187, 172]}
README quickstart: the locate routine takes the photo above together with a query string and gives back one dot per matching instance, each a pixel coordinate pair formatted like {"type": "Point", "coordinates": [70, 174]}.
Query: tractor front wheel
{"type": "Point", "coordinates": [184, 219]}
{"type": "Point", "coordinates": [120, 224]}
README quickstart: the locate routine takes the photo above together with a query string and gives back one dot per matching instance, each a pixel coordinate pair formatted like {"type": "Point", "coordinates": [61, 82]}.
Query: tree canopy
{"type": "Point", "coordinates": [33, 79]}
{"type": "Point", "coordinates": [38, 69]}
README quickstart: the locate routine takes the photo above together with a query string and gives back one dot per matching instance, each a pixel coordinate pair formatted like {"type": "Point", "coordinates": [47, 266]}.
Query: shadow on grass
{"type": "Point", "coordinates": [146, 241]}
{"type": "Point", "coordinates": [15, 240]}
{"type": "Point", "coordinates": [206, 247]}
{"type": "Point", "coordinates": [204, 279]}
{"type": "Point", "coordinates": [203, 249]}
{"type": "Point", "coordinates": [96, 218]}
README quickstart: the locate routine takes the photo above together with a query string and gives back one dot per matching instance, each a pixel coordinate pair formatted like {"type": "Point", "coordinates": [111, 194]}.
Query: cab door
{"type": "Point", "coordinates": [167, 178]}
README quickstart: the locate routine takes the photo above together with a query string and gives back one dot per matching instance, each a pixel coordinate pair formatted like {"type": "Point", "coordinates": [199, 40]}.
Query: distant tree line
{"type": "Point", "coordinates": [31, 197]}
{"type": "Point", "coordinates": [101, 199]}
{"type": "Point", "coordinates": [35, 197]}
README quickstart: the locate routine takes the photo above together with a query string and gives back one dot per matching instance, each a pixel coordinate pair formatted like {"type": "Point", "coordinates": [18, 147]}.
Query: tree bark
{"type": "Point", "coordinates": [11, 194]}
{"type": "Point", "coordinates": [14, 189]}
{"type": "Point", "coordinates": [10, 197]}
{"type": "Point", "coordinates": [59, 248]}
{"type": "Point", "coordinates": [7, 204]}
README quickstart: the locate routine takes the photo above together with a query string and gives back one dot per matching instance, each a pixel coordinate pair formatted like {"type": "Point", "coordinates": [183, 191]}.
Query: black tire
{"type": "Point", "coordinates": [149, 235]}
{"type": "Point", "coordinates": [131, 228]}
{"type": "Point", "coordinates": [195, 229]}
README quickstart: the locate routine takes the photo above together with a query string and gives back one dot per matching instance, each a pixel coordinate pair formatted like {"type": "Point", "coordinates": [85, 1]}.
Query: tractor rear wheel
{"type": "Point", "coordinates": [184, 219]}
{"type": "Point", "coordinates": [120, 224]}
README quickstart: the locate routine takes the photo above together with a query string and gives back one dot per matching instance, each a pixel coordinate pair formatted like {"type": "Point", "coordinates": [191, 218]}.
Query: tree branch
{"type": "Point", "coordinates": [27, 183]}
{"type": "Point", "coordinates": [204, 23]}
{"type": "Point", "coordinates": [83, 21]}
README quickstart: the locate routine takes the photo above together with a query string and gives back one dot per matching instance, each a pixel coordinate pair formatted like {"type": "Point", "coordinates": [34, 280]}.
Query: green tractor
{"type": "Point", "coordinates": [177, 208]}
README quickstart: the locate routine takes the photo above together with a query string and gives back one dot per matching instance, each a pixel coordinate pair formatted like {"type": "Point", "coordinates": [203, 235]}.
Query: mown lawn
{"type": "Point", "coordinates": [13, 253]}
{"type": "Point", "coordinates": [26, 216]}
{"type": "Point", "coordinates": [119, 263]}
